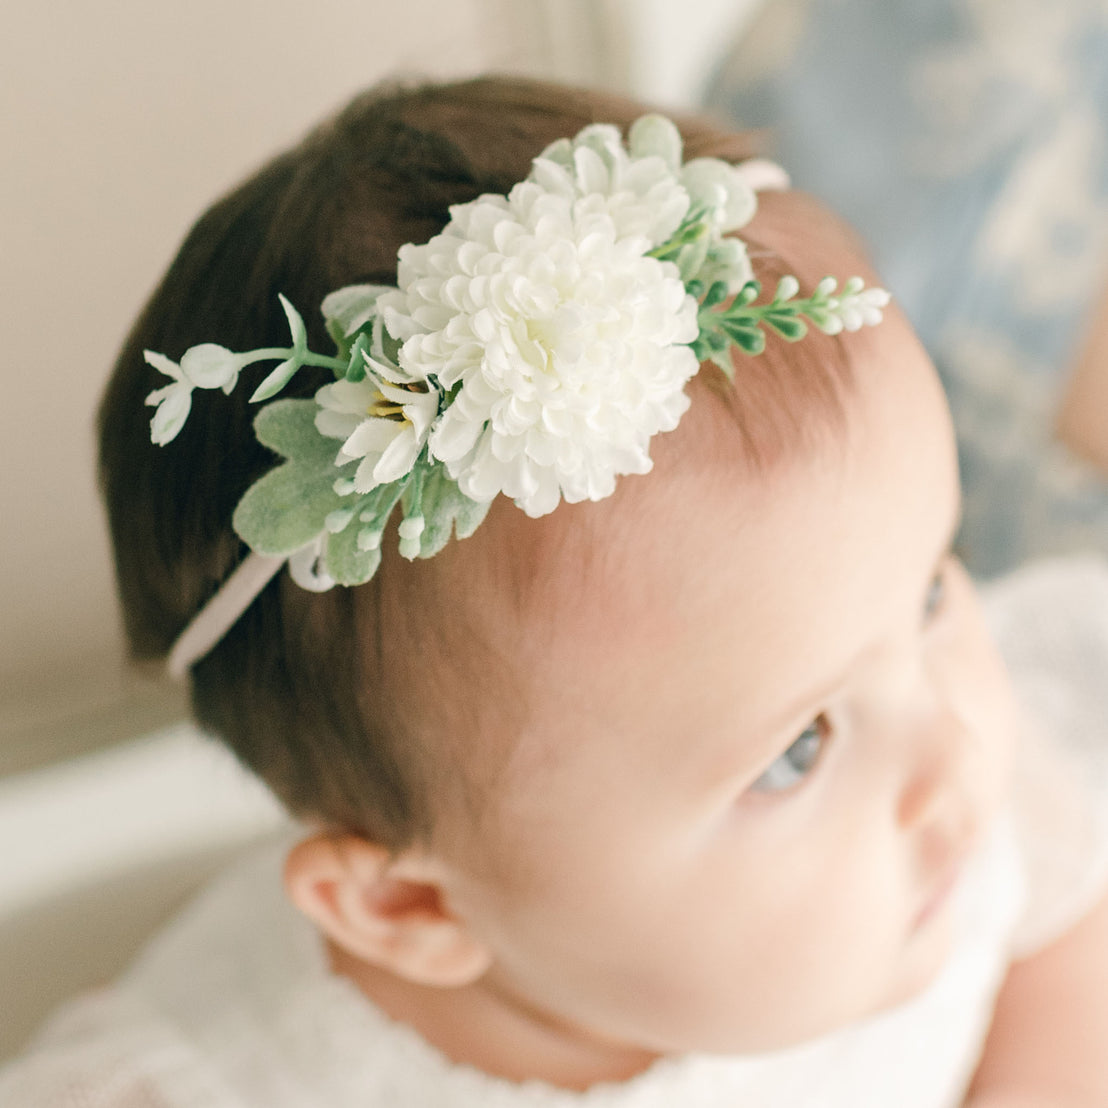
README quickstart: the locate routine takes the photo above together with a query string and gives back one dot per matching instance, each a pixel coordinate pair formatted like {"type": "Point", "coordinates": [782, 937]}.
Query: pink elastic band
{"type": "Point", "coordinates": [218, 616]}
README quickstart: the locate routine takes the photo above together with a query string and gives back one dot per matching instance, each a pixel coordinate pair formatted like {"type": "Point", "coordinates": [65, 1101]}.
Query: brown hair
{"type": "Point", "coordinates": [299, 686]}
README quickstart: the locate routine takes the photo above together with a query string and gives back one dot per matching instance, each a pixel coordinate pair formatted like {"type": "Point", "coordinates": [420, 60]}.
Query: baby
{"type": "Point", "coordinates": [702, 786]}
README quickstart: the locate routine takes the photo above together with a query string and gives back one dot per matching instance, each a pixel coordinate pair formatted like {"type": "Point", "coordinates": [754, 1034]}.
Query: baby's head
{"type": "Point", "coordinates": [692, 767]}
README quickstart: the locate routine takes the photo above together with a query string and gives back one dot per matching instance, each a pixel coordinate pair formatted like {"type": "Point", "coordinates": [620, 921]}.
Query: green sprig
{"type": "Point", "coordinates": [743, 323]}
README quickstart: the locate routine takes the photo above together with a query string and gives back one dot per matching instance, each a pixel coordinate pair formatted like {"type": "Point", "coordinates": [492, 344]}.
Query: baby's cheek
{"type": "Point", "coordinates": [992, 707]}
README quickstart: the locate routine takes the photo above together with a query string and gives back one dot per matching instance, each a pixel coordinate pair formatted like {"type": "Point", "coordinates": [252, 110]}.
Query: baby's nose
{"type": "Point", "coordinates": [945, 790]}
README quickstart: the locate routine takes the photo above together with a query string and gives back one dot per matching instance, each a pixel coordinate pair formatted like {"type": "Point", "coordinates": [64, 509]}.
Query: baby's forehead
{"type": "Point", "coordinates": [586, 568]}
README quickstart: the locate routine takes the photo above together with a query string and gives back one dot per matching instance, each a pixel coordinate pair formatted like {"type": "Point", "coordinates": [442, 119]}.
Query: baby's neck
{"type": "Point", "coordinates": [481, 1026]}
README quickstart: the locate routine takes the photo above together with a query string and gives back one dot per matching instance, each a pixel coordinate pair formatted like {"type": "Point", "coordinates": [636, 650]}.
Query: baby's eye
{"type": "Point", "coordinates": [935, 597]}
{"type": "Point", "coordinates": [797, 762]}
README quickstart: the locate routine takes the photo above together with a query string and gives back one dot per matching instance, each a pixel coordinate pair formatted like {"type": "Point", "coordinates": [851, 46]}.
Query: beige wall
{"type": "Point", "coordinates": [120, 119]}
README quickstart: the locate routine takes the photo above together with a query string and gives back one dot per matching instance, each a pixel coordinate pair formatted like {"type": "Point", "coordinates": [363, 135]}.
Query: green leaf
{"type": "Point", "coordinates": [691, 257]}
{"type": "Point", "coordinates": [747, 294]}
{"type": "Point", "coordinates": [278, 379]}
{"type": "Point", "coordinates": [655, 135]}
{"type": "Point", "coordinates": [355, 369]}
{"type": "Point", "coordinates": [338, 337]}
{"type": "Point", "coordinates": [288, 427]}
{"type": "Point", "coordinates": [345, 558]}
{"type": "Point", "coordinates": [297, 356]}
{"type": "Point", "coordinates": [744, 332]}
{"type": "Point", "coordinates": [786, 324]}
{"type": "Point", "coordinates": [349, 309]}
{"type": "Point", "coordinates": [446, 509]}
{"type": "Point", "coordinates": [820, 316]}
{"type": "Point", "coordinates": [289, 506]}
{"type": "Point", "coordinates": [716, 294]}
{"type": "Point", "coordinates": [716, 340]}
{"type": "Point", "coordinates": [346, 562]}
{"type": "Point", "coordinates": [724, 362]}
{"type": "Point", "coordinates": [748, 337]}
{"type": "Point", "coordinates": [787, 288]}
{"type": "Point", "coordinates": [296, 325]}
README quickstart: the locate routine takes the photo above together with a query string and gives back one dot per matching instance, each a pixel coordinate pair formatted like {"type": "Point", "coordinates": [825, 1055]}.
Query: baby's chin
{"type": "Point", "coordinates": [930, 946]}
{"type": "Point", "coordinates": [927, 952]}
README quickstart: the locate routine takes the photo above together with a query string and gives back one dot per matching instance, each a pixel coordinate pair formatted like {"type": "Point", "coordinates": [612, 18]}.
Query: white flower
{"type": "Point", "coordinates": [383, 419]}
{"type": "Point", "coordinates": [562, 344]}
{"type": "Point", "coordinates": [207, 366]}
{"type": "Point", "coordinates": [210, 366]}
{"type": "Point", "coordinates": [722, 191]}
{"type": "Point", "coordinates": [566, 341]}
{"type": "Point", "coordinates": [643, 194]}
{"type": "Point", "coordinates": [533, 348]}
{"type": "Point", "coordinates": [854, 308]}
{"type": "Point", "coordinates": [173, 404]}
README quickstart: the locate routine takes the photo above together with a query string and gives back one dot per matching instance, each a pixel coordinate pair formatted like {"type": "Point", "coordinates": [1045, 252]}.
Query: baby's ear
{"type": "Point", "coordinates": [385, 909]}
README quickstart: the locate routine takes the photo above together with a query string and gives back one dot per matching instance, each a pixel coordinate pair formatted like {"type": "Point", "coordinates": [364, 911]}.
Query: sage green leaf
{"type": "Point", "coordinates": [347, 558]}
{"type": "Point", "coordinates": [446, 509]}
{"type": "Point", "coordinates": [288, 507]}
{"type": "Point", "coordinates": [351, 312]}
{"type": "Point", "coordinates": [375, 507]}
{"type": "Point", "coordinates": [352, 307]}
{"type": "Point", "coordinates": [338, 337]}
{"type": "Point", "coordinates": [288, 427]}
{"type": "Point", "coordinates": [346, 562]}
{"type": "Point", "coordinates": [655, 135]}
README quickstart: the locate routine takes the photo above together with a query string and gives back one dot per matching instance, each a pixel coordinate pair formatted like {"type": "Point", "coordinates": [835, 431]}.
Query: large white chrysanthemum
{"type": "Point", "coordinates": [562, 342]}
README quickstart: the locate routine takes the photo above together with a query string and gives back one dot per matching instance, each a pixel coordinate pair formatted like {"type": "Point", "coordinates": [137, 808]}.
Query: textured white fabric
{"type": "Point", "coordinates": [233, 1006]}
{"type": "Point", "coordinates": [1051, 618]}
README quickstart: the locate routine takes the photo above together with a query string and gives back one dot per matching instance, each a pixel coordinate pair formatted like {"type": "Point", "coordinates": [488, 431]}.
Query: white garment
{"type": "Point", "coordinates": [233, 1006]}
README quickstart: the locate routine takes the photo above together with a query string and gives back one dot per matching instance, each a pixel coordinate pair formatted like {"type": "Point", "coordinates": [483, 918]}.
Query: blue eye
{"type": "Point", "coordinates": [795, 763]}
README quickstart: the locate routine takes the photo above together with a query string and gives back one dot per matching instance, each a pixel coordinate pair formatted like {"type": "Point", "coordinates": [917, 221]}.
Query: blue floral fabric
{"type": "Point", "coordinates": [968, 141]}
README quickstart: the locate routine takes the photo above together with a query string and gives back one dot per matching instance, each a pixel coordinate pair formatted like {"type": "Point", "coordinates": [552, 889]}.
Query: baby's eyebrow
{"type": "Point", "coordinates": [808, 704]}
{"type": "Point", "coordinates": [762, 739]}
{"type": "Point", "coordinates": [955, 528]}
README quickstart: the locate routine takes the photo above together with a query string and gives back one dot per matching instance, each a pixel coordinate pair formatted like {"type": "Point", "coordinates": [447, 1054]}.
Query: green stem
{"type": "Point", "coordinates": [280, 354]}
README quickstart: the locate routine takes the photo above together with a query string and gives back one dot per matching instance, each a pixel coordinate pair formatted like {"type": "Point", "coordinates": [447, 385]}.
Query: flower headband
{"type": "Point", "coordinates": [533, 348]}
